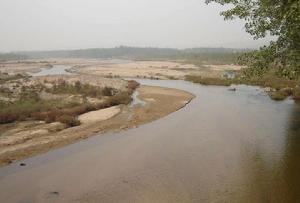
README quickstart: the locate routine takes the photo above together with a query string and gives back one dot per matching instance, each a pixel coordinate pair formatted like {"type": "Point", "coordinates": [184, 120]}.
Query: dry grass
{"type": "Point", "coordinates": [296, 93]}
{"type": "Point", "coordinates": [4, 77]}
{"type": "Point", "coordinates": [77, 88]}
{"type": "Point", "coordinates": [31, 107]}
{"type": "Point", "coordinates": [70, 121]}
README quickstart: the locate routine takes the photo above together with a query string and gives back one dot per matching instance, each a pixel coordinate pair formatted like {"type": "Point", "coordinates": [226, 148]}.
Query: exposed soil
{"type": "Point", "coordinates": [99, 115]}
{"type": "Point", "coordinates": [123, 68]}
{"type": "Point", "coordinates": [159, 102]}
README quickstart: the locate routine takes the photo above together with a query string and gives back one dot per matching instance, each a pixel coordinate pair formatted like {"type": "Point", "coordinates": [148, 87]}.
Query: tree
{"type": "Point", "coordinates": [280, 18]}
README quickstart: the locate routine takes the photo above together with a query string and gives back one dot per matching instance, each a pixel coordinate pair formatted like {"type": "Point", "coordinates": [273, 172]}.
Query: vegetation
{"type": "Point", "coordinates": [25, 108]}
{"type": "Point", "coordinates": [195, 55]}
{"type": "Point", "coordinates": [280, 94]}
{"type": "Point", "coordinates": [208, 81]}
{"type": "Point", "coordinates": [31, 106]}
{"type": "Point", "coordinates": [276, 66]}
{"type": "Point", "coordinates": [68, 120]}
{"type": "Point", "coordinates": [280, 18]}
{"type": "Point", "coordinates": [132, 85]}
{"type": "Point", "coordinates": [62, 87]}
{"type": "Point", "coordinates": [296, 93]}
{"type": "Point", "coordinates": [5, 77]}
{"type": "Point", "coordinates": [280, 88]}
{"type": "Point", "coordinates": [11, 56]}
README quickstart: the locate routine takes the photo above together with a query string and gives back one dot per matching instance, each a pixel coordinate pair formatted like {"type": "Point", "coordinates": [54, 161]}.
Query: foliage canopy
{"type": "Point", "coordinates": [279, 18]}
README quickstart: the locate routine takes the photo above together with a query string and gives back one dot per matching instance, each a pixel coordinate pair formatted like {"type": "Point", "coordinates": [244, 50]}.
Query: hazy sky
{"type": "Point", "coordinates": [73, 24]}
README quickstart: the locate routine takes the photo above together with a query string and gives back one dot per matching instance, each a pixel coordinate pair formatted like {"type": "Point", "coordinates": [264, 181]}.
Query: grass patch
{"type": "Point", "coordinates": [209, 81]}
{"type": "Point", "coordinates": [281, 87]}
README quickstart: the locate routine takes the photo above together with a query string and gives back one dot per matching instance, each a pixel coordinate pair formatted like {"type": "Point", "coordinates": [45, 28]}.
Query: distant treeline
{"type": "Point", "coordinates": [12, 57]}
{"type": "Point", "coordinates": [195, 55]}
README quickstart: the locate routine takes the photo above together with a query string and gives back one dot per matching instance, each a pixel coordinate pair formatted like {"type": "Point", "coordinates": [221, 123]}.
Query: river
{"type": "Point", "coordinates": [225, 146]}
{"type": "Point", "coordinates": [53, 70]}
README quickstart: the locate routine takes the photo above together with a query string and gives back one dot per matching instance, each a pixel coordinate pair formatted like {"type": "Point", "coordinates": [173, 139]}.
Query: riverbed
{"type": "Point", "coordinates": [224, 146]}
{"type": "Point", "coordinates": [52, 70]}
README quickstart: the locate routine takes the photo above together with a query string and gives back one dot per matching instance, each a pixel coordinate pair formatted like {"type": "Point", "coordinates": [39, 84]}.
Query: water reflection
{"type": "Point", "coordinates": [54, 70]}
{"type": "Point", "coordinates": [271, 170]}
{"type": "Point", "coordinates": [223, 147]}
{"type": "Point", "coordinates": [268, 134]}
{"type": "Point", "coordinates": [290, 166]}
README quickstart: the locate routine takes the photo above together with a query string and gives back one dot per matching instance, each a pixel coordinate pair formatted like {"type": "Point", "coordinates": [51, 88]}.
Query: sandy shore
{"type": "Point", "coordinates": [159, 102]}
{"type": "Point", "coordinates": [44, 137]}
{"type": "Point", "coordinates": [123, 68]}
{"type": "Point", "coordinates": [99, 115]}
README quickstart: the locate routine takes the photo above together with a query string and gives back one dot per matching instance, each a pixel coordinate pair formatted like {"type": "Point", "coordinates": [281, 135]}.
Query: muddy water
{"type": "Point", "coordinates": [223, 147]}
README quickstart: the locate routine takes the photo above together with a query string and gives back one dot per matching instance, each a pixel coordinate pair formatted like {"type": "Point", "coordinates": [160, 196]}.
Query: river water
{"type": "Point", "coordinates": [225, 146]}
{"type": "Point", "coordinates": [54, 70]}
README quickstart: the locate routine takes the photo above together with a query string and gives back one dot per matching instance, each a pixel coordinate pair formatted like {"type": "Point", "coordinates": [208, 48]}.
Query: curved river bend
{"type": "Point", "coordinates": [223, 147]}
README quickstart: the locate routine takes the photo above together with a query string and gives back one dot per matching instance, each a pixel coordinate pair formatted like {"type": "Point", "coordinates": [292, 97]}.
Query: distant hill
{"type": "Point", "coordinates": [126, 52]}
{"type": "Point", "coordinates": [219, 55]}
{"type": "Point", "coordinates": [12, 56]}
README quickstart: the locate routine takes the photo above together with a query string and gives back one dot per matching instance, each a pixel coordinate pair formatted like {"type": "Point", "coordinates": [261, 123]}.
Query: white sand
{"type": "Point", "coordinates": [100, 115]}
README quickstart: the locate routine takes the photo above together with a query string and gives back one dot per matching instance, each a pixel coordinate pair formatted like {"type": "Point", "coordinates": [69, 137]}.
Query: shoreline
{"type": "Point", "coordinates": [158, 105]}
{"type": "Point", "coordinates": [278, 89]}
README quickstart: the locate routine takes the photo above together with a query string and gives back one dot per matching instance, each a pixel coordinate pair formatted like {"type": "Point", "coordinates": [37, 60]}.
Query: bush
{"type": "Point", "coordinates": [209, 81]}
{"type": "Point", "coordinates": [108, 91]}
{"type": "Point", "coordinates": [280, 94]}
{"type": "Point", "coordinates": [47, 116]}
{"type": "Point", "coordinates": [7, 117]}
{"type": "Point", "coordinates": [132, 85]}
{"type": "Point", "coordinates": [74, 111]}
{"type": "Point", "coordinates": [120, 98]}
{"type": "Point", "coordinates": [30, 106]}
{"type": "Point", "coordinates": [296, 93]}
{"type": "Point", "coordinates": [62, 87]}
{"type": "Point", "coordinates": [70, 121]}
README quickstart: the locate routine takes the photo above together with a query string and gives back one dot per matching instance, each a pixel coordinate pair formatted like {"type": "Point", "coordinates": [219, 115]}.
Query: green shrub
{"type": "Point", "coordinates": [280, 94]}
{"type": "Point", "coordinates": [77, 110]}
{"type": "Point", "coordinates": [209, 81]}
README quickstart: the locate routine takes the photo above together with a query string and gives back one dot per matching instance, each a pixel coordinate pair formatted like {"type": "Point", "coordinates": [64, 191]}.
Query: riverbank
{"type": "Point", "coordinates": [151, 69]}
{"type": "Point", "coordinates": [224, 146]}
{"type": "Point", "coordinates": [159, 102]}
{"type": "Point", "coordinates": [277, 88]}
